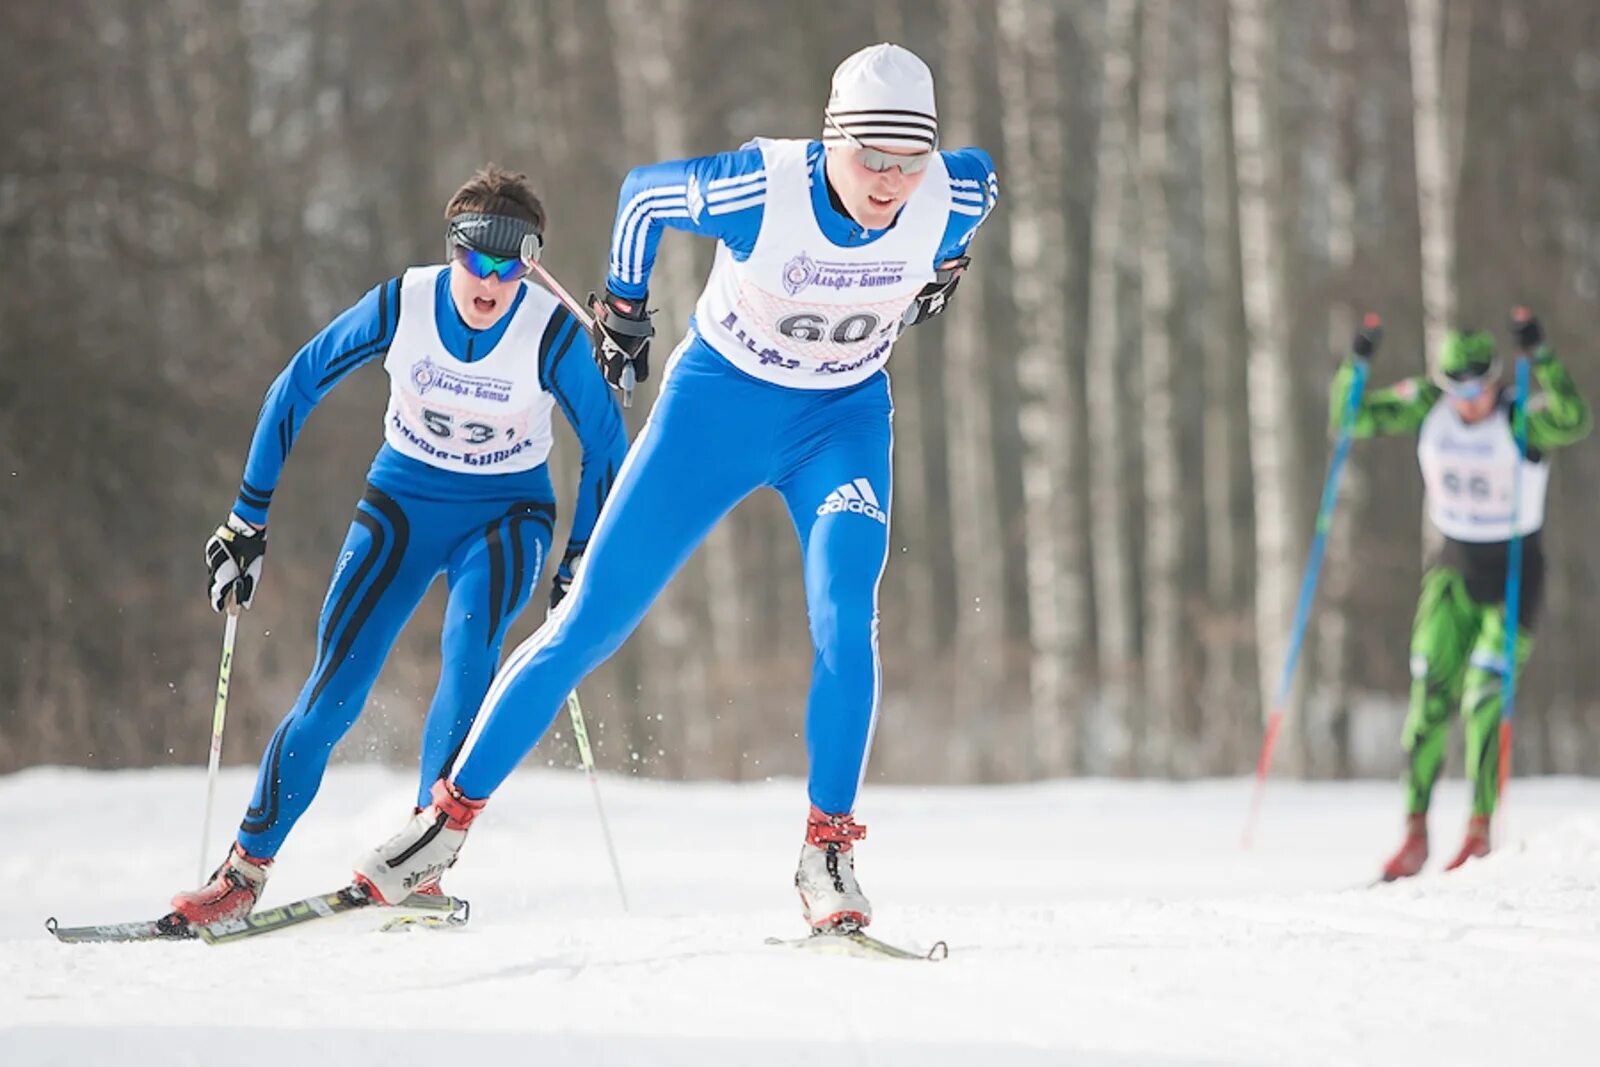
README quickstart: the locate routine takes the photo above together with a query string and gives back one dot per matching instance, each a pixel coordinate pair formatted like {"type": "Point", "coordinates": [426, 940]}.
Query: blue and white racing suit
{"type": "Point", "coordinates": [459, 488]}
{"type": "Point", "coordinates": [780, 382]}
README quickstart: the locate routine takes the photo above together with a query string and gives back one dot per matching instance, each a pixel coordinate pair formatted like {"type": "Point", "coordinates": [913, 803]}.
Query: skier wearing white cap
{"type": "Point", "coordinates": [827, 251]}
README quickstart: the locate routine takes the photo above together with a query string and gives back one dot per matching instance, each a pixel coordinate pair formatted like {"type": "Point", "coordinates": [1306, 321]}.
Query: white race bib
{"type": "Point", "coordinates": [804, 312]}
{"type": "Point", "coordinates": [490, 416]}
{"type": "Point", "coordinates": [1471, 472]}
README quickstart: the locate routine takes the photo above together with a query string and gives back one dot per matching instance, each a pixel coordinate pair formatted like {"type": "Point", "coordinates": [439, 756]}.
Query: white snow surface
{"type": "Point", "coordinates": [1089, 922]}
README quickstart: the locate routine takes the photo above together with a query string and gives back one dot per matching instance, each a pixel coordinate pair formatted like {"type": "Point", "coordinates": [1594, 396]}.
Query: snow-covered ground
{"type": "Point", "coordinates": [1089, 922]}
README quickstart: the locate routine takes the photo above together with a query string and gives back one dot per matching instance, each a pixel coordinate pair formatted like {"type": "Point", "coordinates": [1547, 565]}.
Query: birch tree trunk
{"type": "Point", "coordinates": [1438, 141]}
{"type": "Point", "coordinates": [1113, 552]}
{"type": "Point", "coordinates": [1226, 731]}
{"type": "Point", "coordinates": [674, 705]}
{"type": "Point", "coordinates": [1438, 168]}
{"type": "Point", "coordinates": [1163, 533]}
{"type": "Point", "coordinates": [1275, 452]}
{"type": "Point", "coordinates": [975, 515]}
{"type": "Point", "coordinates": [1035, 153]}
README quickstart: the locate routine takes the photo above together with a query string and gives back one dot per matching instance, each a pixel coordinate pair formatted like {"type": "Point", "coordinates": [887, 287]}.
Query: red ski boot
{"type": "Point", "coordinates": [1413, 850]}
{"type": "Point", "coordinates": [1475, 844]}
{"type": "Point", "coordinates": [231, 894]}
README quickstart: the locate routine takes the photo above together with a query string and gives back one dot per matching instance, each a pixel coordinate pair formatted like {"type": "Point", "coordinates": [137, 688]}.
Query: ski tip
{"type": "Point", "coordinates": [406, 923]}
{"type": "Point", "coordinates": [453, 917]}
{"type": "Point", "coordinates": [52, 925]}
{"type": "Point", "coordinates": [939, 951]}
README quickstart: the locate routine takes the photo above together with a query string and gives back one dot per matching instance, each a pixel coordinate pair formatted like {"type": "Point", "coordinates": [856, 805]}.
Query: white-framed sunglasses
{"type": "Point", "coordinates": [876, 159]}
{"type": "Point", "coordinates": [1474, 387]}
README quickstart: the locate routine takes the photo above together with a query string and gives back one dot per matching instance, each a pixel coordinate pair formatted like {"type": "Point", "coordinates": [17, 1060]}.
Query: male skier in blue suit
{"type": "Point", "coordinates": [478, 361]}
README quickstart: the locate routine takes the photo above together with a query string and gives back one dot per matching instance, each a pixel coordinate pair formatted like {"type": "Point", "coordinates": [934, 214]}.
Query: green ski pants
{"type": "Point", "coordinates": [1457, 652]}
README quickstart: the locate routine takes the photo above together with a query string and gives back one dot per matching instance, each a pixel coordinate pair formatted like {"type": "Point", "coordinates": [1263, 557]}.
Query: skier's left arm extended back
{"type": "Point", "coordinates": [568, 373]}
{"type": "Point", "coordinates": [719, 196]}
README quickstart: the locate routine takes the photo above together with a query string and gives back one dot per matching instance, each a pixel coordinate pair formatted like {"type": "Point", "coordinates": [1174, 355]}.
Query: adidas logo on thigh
{"type": "Point", "coordinates": [856, 498]}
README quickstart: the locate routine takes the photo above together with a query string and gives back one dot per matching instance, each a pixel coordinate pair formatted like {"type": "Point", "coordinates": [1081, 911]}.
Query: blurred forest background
{"type": "Point", "coordinates": [1109, 451]}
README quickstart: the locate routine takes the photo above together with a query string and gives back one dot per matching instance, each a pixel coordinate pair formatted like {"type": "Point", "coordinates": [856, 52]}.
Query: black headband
{"type": "Point", "coordinates": [495, 235]}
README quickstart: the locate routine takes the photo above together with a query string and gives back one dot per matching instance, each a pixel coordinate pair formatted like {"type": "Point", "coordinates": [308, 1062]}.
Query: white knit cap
{"type": "Point", "coordinates": [883, 97]}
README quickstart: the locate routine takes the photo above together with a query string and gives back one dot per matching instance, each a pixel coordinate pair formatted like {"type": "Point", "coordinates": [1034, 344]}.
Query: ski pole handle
{"type": "Point", "coordinates": [579, 312]}
{"type": "Point", "coordinates": [628, 382]}
{"type": "Point", "coordinates": [1525, 328]}
{"type": "Point", "coordinates": [1367, 339]}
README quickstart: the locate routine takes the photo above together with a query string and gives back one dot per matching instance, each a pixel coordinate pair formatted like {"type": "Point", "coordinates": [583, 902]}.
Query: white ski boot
{"type": "Point", "coordinates": [829, 895]}
{"type": "Point", "coordinates": [413, 860]}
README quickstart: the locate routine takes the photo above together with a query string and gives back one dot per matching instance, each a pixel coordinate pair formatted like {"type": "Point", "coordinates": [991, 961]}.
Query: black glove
{"type": "Point", "coordinates": [1364, 345]}
{"type": "Point", "coordinates": [559, 584]}
{"type": "Point", "coordinates": [234, 556]}
{"type": "Point", "coordinates": [936, 294]}
{"type": "Point", "coordinates": [622, 333]}
{"type": "Point", "coordinates": [1525, 328]}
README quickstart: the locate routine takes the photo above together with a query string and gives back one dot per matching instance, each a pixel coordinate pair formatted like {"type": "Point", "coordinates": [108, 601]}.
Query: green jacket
{"type": "Point", "coordinates": [1558, 415]}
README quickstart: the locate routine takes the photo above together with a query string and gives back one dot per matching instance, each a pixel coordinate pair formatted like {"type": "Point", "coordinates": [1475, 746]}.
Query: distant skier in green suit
{"type": "Point", "coordinates": [1469, 457]}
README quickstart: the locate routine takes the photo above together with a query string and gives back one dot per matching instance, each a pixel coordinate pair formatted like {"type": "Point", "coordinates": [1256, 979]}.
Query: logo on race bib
{"type": "Point", "coordinates": [798, 272]}
{"type": "Point", "coordinates": [803, 271]}
{"type": "Point", "coordinates": [1466, 445]}
{"type": "Point", "coordinates": [422, 375]}
{"type": "Point", "coordinates": [427, 376]}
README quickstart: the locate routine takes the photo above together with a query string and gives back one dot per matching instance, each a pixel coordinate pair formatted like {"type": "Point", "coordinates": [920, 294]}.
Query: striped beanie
{"type": "Point", "coordinates": [882, 97]}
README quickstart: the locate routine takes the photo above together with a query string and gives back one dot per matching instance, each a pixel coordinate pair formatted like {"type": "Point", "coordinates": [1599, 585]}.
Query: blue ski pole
{"type": "Point", "coordinates": [1508, 684]}
{"type": "Point", "coordinates": [1371, 334]}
